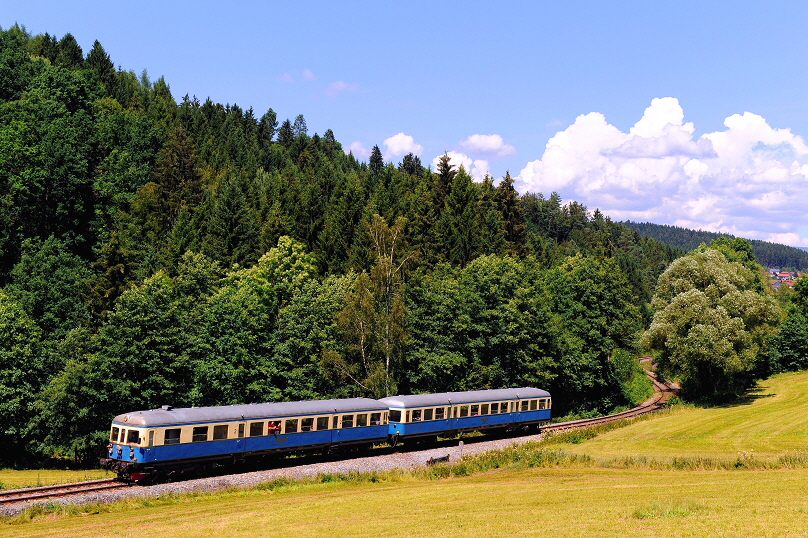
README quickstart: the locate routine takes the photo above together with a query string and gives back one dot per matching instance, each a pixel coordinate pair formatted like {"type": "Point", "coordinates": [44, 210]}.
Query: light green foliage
{"type": "Point", "coordinates": [373, 320]}
{"type": "Point", "coordinates": [711, 319]}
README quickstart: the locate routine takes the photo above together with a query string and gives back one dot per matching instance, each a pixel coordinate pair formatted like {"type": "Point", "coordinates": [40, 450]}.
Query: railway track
{"type": "Point", "coordinates": [662, 393]}
{"type": "Point", "coordinates": [45, 493]}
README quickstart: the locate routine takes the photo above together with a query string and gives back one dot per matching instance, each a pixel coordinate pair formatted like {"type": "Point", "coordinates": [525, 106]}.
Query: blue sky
{"type": "Point", "coordinates": [688, 113]}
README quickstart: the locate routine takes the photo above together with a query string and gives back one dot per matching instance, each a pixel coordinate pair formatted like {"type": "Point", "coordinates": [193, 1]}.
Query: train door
{"type": "Point", "coordinates": [241, 440]}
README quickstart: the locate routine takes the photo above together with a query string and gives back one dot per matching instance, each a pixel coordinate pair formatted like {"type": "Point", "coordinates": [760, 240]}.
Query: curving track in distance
{"type": "Point", "coordinates": [662, 393]}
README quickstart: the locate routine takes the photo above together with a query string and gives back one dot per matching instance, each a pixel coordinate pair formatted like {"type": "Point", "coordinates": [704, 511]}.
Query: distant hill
{"type": "Point", "coordinates": [767, 254]}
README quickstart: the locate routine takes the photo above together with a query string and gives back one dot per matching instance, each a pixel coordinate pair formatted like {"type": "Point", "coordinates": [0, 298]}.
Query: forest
{"type": "Point", "coordinates": [185, 252]}
{"type": "Point", "coordinates": [770, 255]}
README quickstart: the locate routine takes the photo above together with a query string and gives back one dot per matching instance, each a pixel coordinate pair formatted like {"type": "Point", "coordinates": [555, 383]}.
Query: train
{"type": "Point", "coordinates": [147, 445]}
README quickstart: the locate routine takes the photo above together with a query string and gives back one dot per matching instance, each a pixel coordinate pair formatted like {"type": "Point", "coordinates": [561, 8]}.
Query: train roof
{"type": "Point", "coordinates": [471, 396]}
{"type": "Point", "coordinates": [228, 413]}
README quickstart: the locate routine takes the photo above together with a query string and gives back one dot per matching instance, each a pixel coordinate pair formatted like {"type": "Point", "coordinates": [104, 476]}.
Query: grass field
{"type": "Point", "coordinates": [576, 490]}
{"type": "Point", "coordinates": [11, 479]}
{"type": "Point", "coordinates": [535, 502]}
{"type": "Point", "coordinates": [770, 422]}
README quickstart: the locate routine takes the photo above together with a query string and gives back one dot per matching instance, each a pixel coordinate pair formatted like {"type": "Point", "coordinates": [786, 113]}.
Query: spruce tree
{"type": "Point", "coordinates": [286, 135]}
{"type": "Point", "coordinates": [376, 162]}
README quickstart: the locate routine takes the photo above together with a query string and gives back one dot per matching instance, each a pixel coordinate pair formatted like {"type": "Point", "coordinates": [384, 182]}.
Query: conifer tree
{"type": "Point", "coordinates": [511, 210]}
{"type": "Point", "coordinates": [70, 54]}
{"type": "Point", "coordinates": [299, 128]}
{"type": "Point", "coordinates": [98, 60]}
{"type": "Point", "coordinates": [286, 135]}
{"type": "Point", "coordinates": [376, 162]}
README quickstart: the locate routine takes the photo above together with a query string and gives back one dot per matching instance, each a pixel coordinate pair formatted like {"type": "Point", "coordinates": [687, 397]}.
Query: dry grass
{"type": "Point", "coordinates": [11, 479]}
{"type": "Point", "coordinates": [556, 501]}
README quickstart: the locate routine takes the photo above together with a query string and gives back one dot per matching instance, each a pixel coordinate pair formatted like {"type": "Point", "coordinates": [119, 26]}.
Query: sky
{"type": "Point", "coordinates": [686, 113]}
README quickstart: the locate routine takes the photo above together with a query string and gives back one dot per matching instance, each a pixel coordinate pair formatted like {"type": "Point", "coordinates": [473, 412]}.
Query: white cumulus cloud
{"type": "Point", "coordinates": [491, 145]}
{"type": "Point", "coordinates": [749, 179]}
{"type": "Point", "coordinates": [401, 144]}
{"type": "Point", "coordinates": [308, 75]}
{"type": "Point", "coordinates": [359, 151]}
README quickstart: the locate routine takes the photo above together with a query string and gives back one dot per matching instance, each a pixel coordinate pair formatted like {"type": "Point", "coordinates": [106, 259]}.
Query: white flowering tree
{"type": "Point", "coordinates": [712, 316]}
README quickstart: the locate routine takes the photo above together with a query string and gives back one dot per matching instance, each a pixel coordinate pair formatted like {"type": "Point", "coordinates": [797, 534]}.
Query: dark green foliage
{"type": "Point", "coordinates": [70, 54]}
{"type": "Point", "coordinates": [22, 373]}
{"type": "Point", "coordinates": [788, 350]}
{"type": "Point", "coordinates": [50, 283]}
{"type": "Point", "coordinates": [376, 162]}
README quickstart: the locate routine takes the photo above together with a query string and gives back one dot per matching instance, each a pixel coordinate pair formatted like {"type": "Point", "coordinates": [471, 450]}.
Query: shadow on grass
{"type": "Point", "coordinates": [749, 397]}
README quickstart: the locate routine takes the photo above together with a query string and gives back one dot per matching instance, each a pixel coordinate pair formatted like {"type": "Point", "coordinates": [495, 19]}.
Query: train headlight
{"type": "Point", "coordinates": [131, 453]}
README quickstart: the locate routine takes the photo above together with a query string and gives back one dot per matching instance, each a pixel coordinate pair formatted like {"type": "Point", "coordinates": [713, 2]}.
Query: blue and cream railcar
{"type": "Point", "coordinates": [422, 415]}
{"type": "Point", "coordinates": [168, 439]}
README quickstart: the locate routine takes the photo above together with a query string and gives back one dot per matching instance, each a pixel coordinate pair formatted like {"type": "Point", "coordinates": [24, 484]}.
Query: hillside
{"type": "Point", "coordinates": [770, 422]}
{"type": "Point", "coordinates": [767, 254]}
{"type": "Point", "coordinates": [172, 250]}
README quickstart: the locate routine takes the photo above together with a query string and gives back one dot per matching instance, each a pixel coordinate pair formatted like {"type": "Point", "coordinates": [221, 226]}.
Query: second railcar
{"type": "Point", "coordinates": [422, 415]}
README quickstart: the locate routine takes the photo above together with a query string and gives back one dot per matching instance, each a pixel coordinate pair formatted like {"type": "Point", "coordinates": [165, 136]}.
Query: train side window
{"type": "Point", "coordinates": [464, 410]}
{"type": "Point", "coordinates": [336, 423]}
{"type": "Point", "coordinates": [475, 410]}
{"type": "Point", "coordinates": [306, 424]}
{"type": "Point", "coordinates": [256, 429]}
{"type": "Point", "coordinates": [122, 437]}
{"type": "Point", "coordinates": [533, 405]}
{"type": "Point", "coordinates": [504, 407]}
{"type": "Point", "coordinates": [524, 405]}
{"type": "Point", "coordinates": [495, 408]}
{"type": "Point", "coordinates": [200, 433]}
{"type": "Point", "coordinates": [549, 402]}
{"type": "Point", "coordinates": [416, 415]}
{"type": "Point", "coordinates": [395, 415]}
{"type": "Point", "coordinates": [361, 420]}
{"type": "Point", "coordinates": [241, 430]}
{"type": "Point", "coordinates": [151, 437]}
{"type": "Point", "coordinates": [484, 409]}
{"type": "Point", "coordinates": [541, 404]}
{"type": "Point", "coordinates": [133, 437]}
{"type": "Point", "coordinates": [439, 413]}
{"type": "Point", "coordinates": [113, 436]}
{"type": "Point", "coordinates": [375, 419]}
{"type": "Point", "coordinates": [384, 418]}
{"type": "Point", "coordinates": [172, 436]}
{"type": "Point", "coordinates": [347, 421]}
{"type": "Point", "coordinates": [428, 414]}
{"type": "Point", "coordinates": [220, 432]}
{"type": "Point", "coordinates": [290, 425]}
{"type": "Point", "coordinates": [322, 423]}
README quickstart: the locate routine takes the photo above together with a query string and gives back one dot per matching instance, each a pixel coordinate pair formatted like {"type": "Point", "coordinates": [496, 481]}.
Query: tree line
{"type": "Point", "coordinates": [767, 254]}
